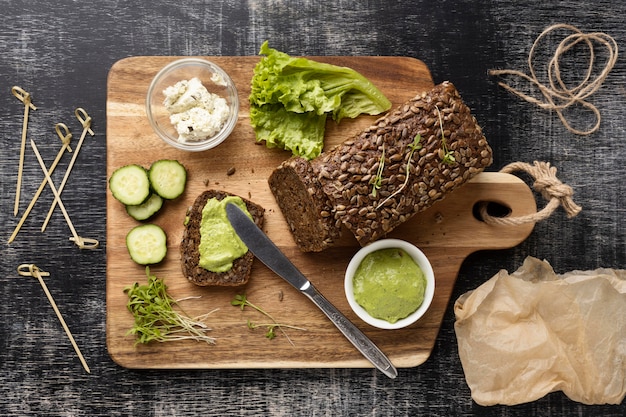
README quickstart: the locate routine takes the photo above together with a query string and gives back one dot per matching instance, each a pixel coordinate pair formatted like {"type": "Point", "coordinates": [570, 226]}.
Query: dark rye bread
{"type": "Point", "coordinates": [190, 256]}
{"type": "Point", "coordinates": [347, 172]}
{"type": "Point", "coordinates": [299, 193]}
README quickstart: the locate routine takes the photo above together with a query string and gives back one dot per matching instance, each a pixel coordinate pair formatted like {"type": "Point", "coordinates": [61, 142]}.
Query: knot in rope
{"type": "Point", "coordinates": [548, 185]}
{"type": "Point", "coordinates": [552, 187]}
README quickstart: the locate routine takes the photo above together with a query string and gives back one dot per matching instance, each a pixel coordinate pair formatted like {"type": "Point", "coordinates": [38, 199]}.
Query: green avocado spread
{"type": "Point", "coordinates": [389, 285]}
{"type": "Point", "coordinates": [219, 243]}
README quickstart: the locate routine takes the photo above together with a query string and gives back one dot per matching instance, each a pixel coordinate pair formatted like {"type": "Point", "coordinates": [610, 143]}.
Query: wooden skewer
{"type": "Point", "coordinates": [33, 271]}
{"type": "Point", "coordinates": [85, 120]}
{"type": "Point", "coordinates": [83, 243]}
{"type": "Point", "coordinates": [66, 137]}
{"type": "Point", "coordinates": [24, 97]}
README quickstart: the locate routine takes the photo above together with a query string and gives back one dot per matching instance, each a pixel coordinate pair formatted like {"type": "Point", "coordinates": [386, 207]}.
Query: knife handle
{"type": "Point", "coordinates": [352, 333]}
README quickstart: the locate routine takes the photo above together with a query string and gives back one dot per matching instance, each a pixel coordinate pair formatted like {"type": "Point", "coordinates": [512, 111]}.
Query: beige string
{"type": "Point", "coordinates": [82, 243]}
{"type": "Point", "coordinates": [64, 133]}
{"type": "Point", "coordinates": [31, 270]}
{"type": "Point", "coordinates": [24, 97]}
{"type": "Point", "coordinates": [557, 95]}
{"type": "Point", "coordinates": [85, 121]}
{"type": "Point", "coordinates": [548, 185]}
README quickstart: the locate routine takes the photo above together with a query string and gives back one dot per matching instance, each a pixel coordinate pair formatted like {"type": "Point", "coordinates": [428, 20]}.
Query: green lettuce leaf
{"type": "Point", "coordinates": [300, 133]}
{"type": "Point", "coordinates": [284, 87]}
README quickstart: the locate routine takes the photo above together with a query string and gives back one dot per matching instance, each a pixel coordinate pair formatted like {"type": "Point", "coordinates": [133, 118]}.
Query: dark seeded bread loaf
{"type": "Point", "coordinates": [299, 193]}
{"type": "Point", "coordinates": [190, 256]}
{"type": "Point", "coordinates": [347, 173]}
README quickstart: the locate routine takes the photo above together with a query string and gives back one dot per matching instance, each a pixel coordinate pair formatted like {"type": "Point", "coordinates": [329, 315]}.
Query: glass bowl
{"type": "Point", "coordinates": [420, 259]}
{"type": "Point", "coordinates": [213, 78]}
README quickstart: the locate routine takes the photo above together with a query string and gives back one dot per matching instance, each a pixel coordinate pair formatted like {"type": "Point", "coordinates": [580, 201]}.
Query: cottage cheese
{"type": "Point", "coordinates": [196, 113]}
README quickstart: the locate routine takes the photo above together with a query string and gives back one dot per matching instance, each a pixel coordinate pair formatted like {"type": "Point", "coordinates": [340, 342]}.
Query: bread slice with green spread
{"type": "Point", "coordinates": [239, 273]}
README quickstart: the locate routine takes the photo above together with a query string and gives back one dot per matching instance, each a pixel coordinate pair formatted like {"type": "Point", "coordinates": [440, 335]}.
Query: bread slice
{"type": "Point", "coordinates": [305, 205]}
{"type": "Point", "coordinates": [190, 256]}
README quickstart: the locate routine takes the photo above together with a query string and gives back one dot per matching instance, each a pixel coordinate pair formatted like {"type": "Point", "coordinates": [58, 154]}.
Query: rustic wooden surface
{"type": "Point", "coordinates": [62, 53]}
{"type": "Point", "coordinates": [130, 140]}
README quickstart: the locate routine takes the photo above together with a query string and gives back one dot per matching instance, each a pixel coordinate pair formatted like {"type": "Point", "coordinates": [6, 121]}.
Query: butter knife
{"type": "Point", "coordinates": [266, 251]}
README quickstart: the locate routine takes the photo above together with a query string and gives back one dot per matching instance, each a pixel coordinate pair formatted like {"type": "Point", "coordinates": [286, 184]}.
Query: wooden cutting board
{"type": "Point", "coordinates": [448, 232]}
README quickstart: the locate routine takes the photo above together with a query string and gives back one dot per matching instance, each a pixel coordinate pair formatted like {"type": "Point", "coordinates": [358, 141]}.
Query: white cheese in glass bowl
{"type": "Point", "coordinates": [195, 112]}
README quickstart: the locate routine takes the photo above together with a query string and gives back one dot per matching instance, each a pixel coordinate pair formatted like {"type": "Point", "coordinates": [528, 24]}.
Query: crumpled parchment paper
{"type": "Point", "coordinates": [532, 332]}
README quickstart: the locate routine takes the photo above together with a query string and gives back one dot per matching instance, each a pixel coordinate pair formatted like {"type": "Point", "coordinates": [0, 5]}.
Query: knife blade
{"type": "Point", "coordinates": [268, 253]}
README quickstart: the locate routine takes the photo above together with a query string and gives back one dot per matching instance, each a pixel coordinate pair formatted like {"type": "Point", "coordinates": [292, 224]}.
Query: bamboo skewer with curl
{"type": "Point", "coordinates": [31, 270]}
{"type": "Point", "coordinates": [24, 97]}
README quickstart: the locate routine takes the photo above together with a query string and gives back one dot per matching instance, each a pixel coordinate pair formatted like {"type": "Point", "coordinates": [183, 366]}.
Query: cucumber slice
{"type": "Point", "coordinates": [168, 178]}
{"type": "Point", "coordinates": [147, 209]}
{"type": "Point", "coordinates": [146, 244]}
{"type": "Point", "coordinates": [130, 184]}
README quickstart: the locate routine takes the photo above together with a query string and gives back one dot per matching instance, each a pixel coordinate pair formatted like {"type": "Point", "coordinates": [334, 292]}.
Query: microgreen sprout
{"type": "Point", "coordinates": [413, 146]}
{"type": "Point", "coordinates": [377, 181]}
{"type": "Point", "coordinates": [155, 316]}
{"type": "Point", "coordinates": [448, 155]}
{"type": "Point", "coordinates": [242, 301]}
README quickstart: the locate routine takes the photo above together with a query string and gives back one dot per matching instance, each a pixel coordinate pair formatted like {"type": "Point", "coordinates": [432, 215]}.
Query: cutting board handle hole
{"type": "Point", "coordinates": [493, 209]}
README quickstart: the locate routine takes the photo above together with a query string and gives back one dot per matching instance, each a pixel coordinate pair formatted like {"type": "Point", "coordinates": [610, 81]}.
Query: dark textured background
{"type": "Point", "coordinates": [62, 51]}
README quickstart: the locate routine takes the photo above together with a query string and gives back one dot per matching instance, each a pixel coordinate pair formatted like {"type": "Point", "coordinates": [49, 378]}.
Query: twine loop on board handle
{"type": "Point", "coordinates": [548, 185]}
